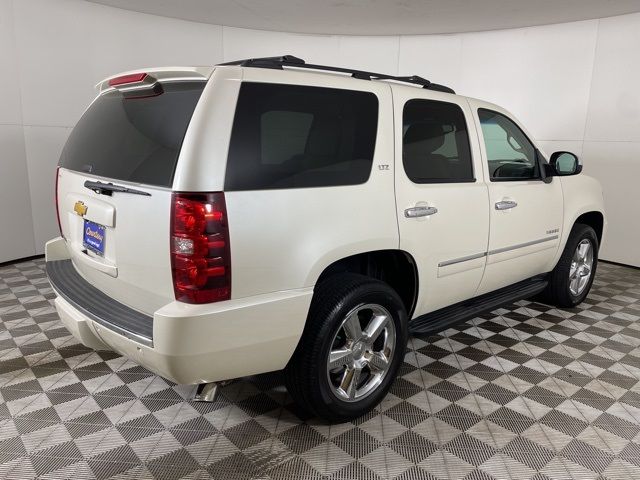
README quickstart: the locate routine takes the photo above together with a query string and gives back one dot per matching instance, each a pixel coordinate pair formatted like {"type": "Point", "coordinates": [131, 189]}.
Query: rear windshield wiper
{"type": "Point", "coordinates": [108, 188]}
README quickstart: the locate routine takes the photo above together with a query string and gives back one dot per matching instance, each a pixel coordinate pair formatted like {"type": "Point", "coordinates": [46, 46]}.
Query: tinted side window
{"type": "Point", "coordinates": [291, 136]}
{"type": "Point", "coordinates": [435, 143]}
{"type": "Point", "coordinates": [510, 154]}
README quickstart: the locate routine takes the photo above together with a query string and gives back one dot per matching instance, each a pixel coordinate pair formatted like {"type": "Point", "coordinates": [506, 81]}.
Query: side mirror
{"type": "Point", "coordinates": [565, 163]}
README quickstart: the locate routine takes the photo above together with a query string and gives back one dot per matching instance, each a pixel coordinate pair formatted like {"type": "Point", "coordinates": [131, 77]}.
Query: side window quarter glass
{"type": "Point", "coordinates": [294, 136]}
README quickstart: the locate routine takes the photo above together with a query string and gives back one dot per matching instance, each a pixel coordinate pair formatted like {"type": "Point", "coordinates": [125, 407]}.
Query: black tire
{"type": "Point", "coordinates": [558, 292]}
{"type": "Point", "coordinates": [306, 374]}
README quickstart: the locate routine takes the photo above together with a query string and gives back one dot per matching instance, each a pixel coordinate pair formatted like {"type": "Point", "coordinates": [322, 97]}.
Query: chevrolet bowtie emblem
{"type": "Point", "coordinates": [80, 208]}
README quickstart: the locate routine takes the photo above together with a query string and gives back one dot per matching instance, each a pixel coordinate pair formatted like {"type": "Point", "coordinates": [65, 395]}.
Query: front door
{"type": "Point", "coordinates": [442, 201]}
{"type": "Point", "coordinates": [526, 212]}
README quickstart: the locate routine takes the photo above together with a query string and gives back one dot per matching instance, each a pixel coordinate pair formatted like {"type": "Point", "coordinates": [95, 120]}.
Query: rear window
{"type": "Point", "coordinates": [133, 139]}
{"type": "Point", "coordinates": [290, 136]}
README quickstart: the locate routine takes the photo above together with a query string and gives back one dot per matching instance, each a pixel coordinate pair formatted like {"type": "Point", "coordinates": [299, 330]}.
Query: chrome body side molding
{"type": "Point", "coordinates": [496, 251]}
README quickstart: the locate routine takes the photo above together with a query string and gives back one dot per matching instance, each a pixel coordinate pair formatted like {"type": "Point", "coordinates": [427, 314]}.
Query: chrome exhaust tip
{"type": "Point", "coordinates": [206, 392]}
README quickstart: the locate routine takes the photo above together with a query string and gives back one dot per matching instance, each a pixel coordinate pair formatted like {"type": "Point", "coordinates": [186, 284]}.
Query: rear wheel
{"type": "Point", "coordinates": [351, 349]}
{"type": "Point", "coordinates": [571, 279]}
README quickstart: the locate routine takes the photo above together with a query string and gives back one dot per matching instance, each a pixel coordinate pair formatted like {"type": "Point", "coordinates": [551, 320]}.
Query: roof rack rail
{"type": "Point", "coordinates": [295, 62]}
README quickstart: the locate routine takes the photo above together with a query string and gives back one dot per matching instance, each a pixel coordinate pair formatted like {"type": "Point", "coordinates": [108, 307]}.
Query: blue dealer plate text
{"type": "Point", "coordinates": [93, 237]}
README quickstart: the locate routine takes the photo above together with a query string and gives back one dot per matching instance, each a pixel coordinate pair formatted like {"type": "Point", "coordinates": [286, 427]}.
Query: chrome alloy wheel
{"type": "Point", "coordinates": [581, 267]}
{"type": "Point", "coordinates": [361, 352]}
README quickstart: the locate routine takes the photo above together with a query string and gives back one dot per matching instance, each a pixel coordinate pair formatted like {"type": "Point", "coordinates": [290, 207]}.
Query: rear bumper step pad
{"type": "Point", "coordinates": [96, 305]}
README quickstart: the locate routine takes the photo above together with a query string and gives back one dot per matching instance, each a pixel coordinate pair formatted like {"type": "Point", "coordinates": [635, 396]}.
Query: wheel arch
{"type": "Point", "coordinates": [397, 268]}
{"type": "Point", "coordinates": [591, 215]}
{"type": "Point", "coordinates": [594, 219]}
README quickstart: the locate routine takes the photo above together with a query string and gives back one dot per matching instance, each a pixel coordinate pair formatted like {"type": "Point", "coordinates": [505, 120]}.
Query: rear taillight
{"type": "Point", "coordinates": [200, 253]}
{"type": "Point", "coordinates": [56, 202]}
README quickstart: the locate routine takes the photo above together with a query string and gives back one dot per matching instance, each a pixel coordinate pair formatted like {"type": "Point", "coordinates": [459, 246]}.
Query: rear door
{"type": "Point", "coordinates": [442, 200]}
{"type": "Point", "coordinates": [114, 187]}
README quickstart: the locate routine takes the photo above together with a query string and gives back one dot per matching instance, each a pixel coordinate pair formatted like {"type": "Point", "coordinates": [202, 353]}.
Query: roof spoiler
{"type": "Point", "coordinates": [161, 74]}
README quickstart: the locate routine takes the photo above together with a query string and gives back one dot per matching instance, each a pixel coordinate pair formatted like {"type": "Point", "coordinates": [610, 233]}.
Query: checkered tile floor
{"type": "Point", "coordinates": [526, 391]}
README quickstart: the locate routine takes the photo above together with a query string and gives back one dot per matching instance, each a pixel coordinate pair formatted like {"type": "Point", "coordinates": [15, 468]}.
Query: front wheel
{"type": "Point", "coordinates": [352, 346]}
{"type": "Point", "coordinates": [571, 279]}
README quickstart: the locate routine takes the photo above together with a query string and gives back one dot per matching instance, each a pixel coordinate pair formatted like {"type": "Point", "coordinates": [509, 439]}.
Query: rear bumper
{"type": "Point", "coordinates": [96, 305]}
{"type": "Point", "coordinates": [200, 343]}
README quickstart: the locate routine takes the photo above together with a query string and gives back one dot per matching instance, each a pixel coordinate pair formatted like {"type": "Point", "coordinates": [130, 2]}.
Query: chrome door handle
{"type": "Point", "coordinates": [415, 212]}
{"type": "Point", "coordinates": [506, 204]}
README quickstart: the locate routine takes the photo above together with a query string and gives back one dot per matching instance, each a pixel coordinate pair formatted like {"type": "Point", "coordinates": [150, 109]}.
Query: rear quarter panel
{"type": "Point", "coordinates": [284, 239]}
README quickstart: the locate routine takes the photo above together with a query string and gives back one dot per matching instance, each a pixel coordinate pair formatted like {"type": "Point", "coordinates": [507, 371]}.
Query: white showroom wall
{"type": "Point", "coordinates": [572, 84]}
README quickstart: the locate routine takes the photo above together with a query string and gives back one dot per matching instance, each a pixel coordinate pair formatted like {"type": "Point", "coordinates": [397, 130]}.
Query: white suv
{"type": "Point", "coordinates": [269, 214]}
